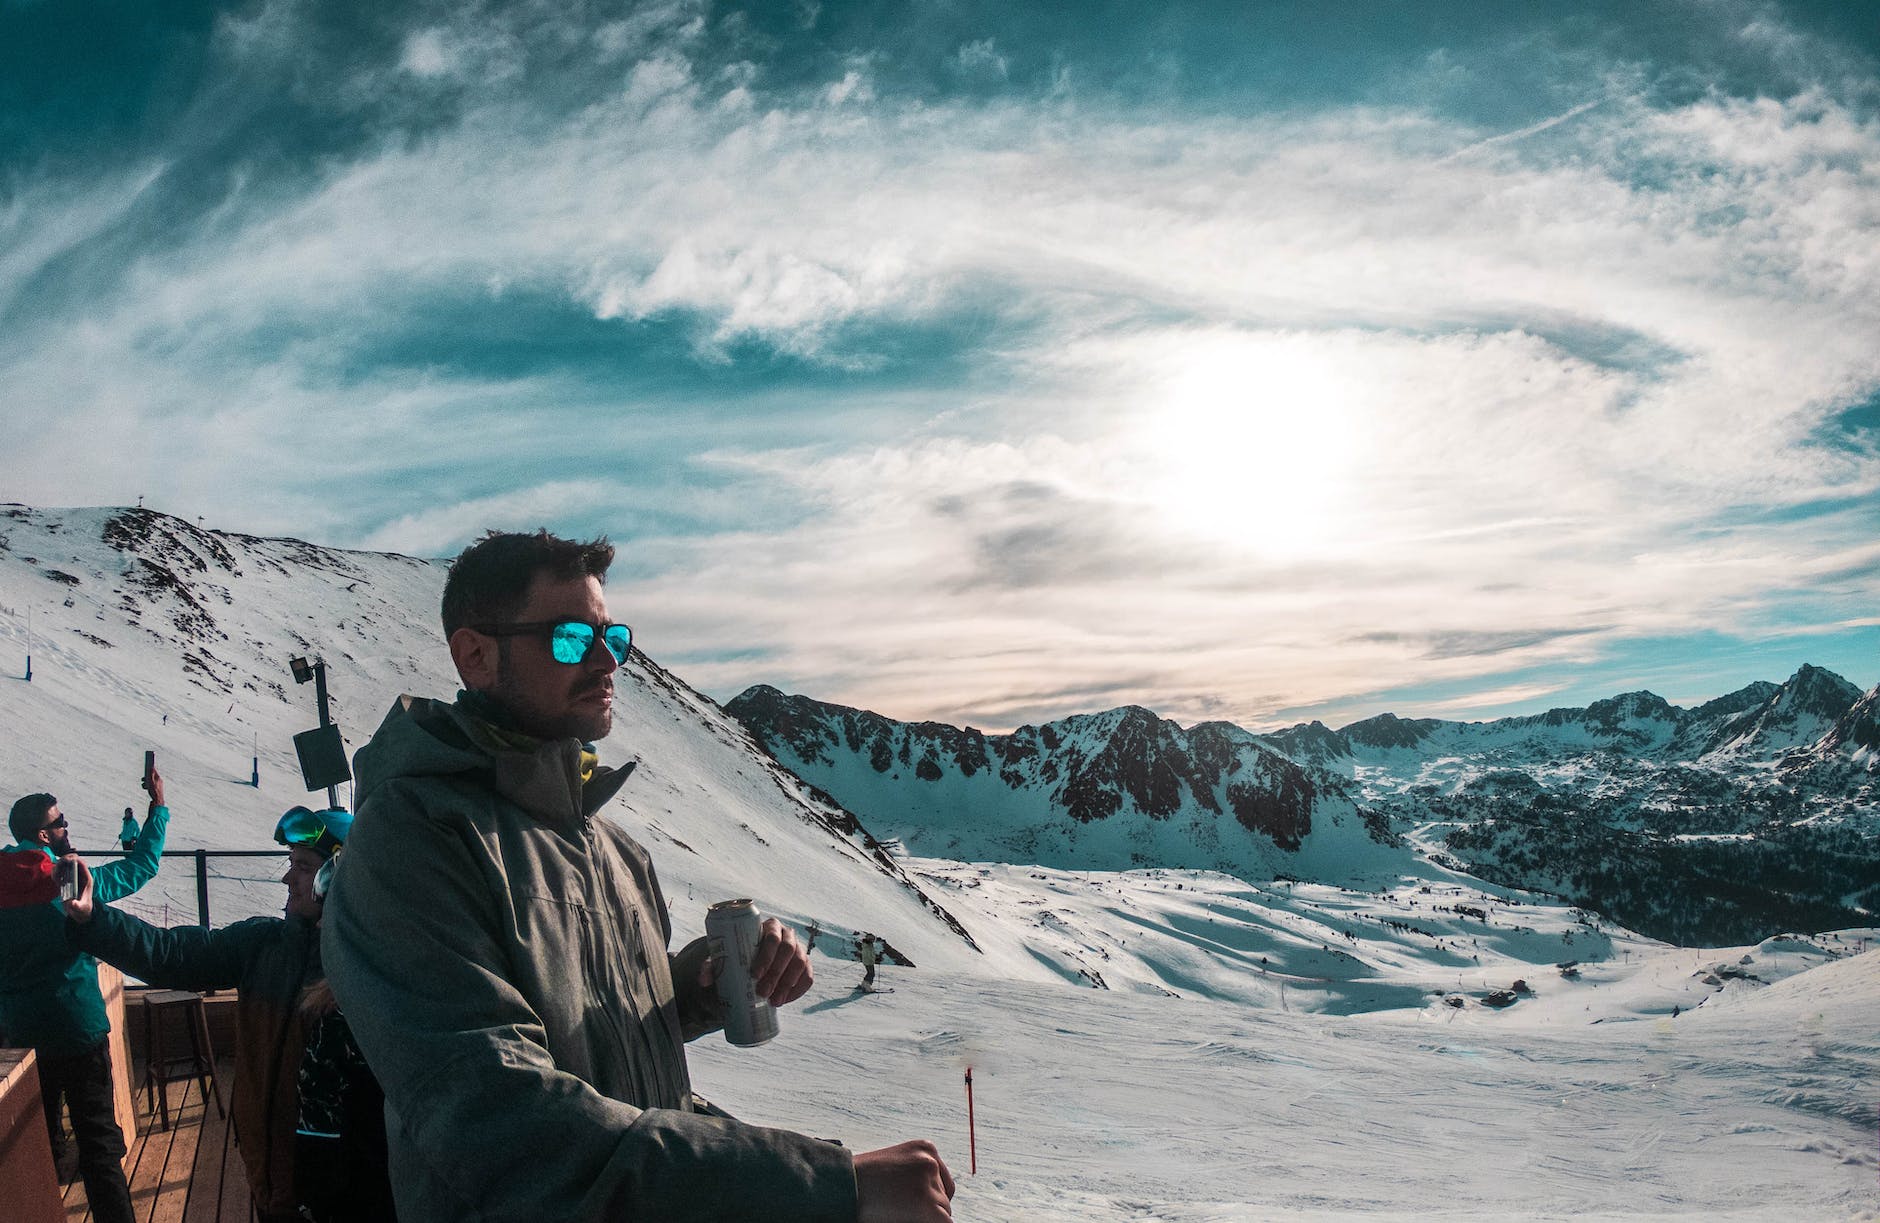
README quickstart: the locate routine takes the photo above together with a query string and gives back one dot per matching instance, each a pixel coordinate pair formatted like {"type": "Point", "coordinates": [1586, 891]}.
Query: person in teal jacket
{"type": "Point", "coordinates": [49, 999]}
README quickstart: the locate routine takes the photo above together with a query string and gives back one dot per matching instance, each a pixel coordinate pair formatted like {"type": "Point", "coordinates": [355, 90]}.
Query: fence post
{"type": "Point", "coordinates": [202, 887]}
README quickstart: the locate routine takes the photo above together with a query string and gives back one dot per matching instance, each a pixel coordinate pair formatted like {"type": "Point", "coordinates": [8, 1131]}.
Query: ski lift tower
{"type": "Point", "coordinates": [321, 750]}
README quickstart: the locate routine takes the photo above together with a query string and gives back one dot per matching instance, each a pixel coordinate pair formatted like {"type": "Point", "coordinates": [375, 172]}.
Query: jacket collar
{"type": "Point", "coordinates": [559, 781]}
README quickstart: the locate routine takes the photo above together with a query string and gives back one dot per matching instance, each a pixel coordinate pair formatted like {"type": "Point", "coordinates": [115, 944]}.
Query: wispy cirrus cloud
{"type": "Point", "coordinates": [939, 393]}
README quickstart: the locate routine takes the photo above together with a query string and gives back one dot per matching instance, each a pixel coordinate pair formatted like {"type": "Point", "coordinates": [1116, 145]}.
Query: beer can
{"type": "Point", "coordinates": [732, 928]}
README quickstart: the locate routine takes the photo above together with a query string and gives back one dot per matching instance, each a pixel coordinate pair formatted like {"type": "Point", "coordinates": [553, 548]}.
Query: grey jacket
{"type": "Point", "coordinates": [501, 952]}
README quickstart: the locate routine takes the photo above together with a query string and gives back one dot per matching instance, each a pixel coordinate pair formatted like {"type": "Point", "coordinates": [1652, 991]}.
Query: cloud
{"type": "Point", "coordinates": [1477, 703]}
{"type": "Point", "coordinates": [1531, 129]}
{"type": "Point", "coordinates": [434, 530]}
{"type": "Point", "coordinates": [981, 59]}
{"type": "Point", "coordinates": [1477, 644]}
{"type": "Point", "coordinates": [991, 565]}
{"type": "Point", "coordinates": [1244, 408]}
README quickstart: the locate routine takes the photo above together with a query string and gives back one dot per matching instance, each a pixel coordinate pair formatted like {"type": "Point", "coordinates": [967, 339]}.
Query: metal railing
{"type": "Point", "coordinates": [201, 857]}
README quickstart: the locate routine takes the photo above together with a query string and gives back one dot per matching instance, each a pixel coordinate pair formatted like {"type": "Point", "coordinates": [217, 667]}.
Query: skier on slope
{"type": "Point", "coordinates": [868, 951]}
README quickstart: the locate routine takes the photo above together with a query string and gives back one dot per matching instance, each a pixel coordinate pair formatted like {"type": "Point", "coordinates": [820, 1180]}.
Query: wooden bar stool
{"type": "Point", "coordinates": [198, 1063]}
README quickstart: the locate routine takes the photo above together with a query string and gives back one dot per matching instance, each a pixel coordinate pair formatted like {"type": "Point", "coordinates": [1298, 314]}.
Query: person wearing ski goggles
{"type": "Point", "coordinates": [321, 831]}
{"type": "Point", "coordinates": [305, 1103]}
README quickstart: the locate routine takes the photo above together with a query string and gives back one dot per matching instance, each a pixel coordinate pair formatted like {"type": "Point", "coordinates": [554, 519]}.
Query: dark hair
{"type": "Point", "coordinates": [29, 815]}
{"type": "Point", "coordinates": [489, 580]}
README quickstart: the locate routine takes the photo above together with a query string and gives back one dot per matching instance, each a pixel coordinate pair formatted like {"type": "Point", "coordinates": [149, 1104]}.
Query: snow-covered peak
{"type": "Point", "coordinates": [1118, 789]}
{"type": "Point", "coordinates": [148, 632]}
{"type": "Point", "coordinates": [1855, 735]}
{"type": "Point", "coordinates": [1797, 714]}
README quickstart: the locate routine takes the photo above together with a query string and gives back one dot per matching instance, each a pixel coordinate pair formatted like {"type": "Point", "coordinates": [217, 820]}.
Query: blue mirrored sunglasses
{"type": "Point", "coordinates": [568, 640]}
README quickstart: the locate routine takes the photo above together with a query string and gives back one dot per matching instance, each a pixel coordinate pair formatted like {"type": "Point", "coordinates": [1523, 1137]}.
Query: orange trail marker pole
{"type": "Point", "coordinates": [972, 1138]}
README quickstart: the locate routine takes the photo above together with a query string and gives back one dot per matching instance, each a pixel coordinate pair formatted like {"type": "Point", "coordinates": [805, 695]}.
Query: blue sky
{"type": "Point", "coordinates": [990, 363]}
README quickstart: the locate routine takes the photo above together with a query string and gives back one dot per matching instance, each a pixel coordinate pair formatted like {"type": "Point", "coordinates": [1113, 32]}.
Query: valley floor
{"type": "Point", "coordinates": [1095, 1105]}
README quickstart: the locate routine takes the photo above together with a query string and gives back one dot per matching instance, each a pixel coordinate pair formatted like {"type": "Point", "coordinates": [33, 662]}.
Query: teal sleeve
{"type": "Point", "coordinates": [115, 880]}
{"type": "Point", "coordinates": [183, 957]}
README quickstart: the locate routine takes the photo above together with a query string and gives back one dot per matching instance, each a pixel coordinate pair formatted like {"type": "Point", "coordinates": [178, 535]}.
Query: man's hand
{"type": "Point", "coordinates": [780, 968]}
{"type": "Point", "coordinates": [79, 909]}
{"type": "Point", "coordinates": [905, 1183]}
{"type": "Point", "coordinates": [154, 783]}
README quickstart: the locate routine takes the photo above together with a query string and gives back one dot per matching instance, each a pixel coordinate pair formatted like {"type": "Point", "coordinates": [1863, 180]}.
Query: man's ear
{"type": "Point", "coordinates": [476, 656]}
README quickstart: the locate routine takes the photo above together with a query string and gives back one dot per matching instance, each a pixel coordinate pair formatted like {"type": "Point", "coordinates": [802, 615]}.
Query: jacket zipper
{"type": "Point", "coordinates": [651, 1076]}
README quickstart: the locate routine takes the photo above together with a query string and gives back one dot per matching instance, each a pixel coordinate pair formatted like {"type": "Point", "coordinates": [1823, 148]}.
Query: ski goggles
{"type": "Point", "coordinates": [321, 831]}
{"type": "Point", "coordinates": [568, 640]}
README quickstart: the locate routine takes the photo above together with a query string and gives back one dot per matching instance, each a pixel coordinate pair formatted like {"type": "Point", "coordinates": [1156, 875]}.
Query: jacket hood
{"type": "Point", "coordinates": [421, 737]}
{"type": "Point", "coordinates": [26, 877]}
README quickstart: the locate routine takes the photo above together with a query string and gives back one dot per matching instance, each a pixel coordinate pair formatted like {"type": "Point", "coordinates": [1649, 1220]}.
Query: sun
{"type": "Point", "coordinates": [1253, 441]}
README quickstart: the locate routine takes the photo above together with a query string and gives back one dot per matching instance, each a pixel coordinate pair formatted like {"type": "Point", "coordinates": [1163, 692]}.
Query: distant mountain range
{"type": "Point", "coordinates": [1751, 814]}
{"type": "Point", "coordinates": [1763, 722]}
{"type": "Point", "coordinates": [1107, 791]}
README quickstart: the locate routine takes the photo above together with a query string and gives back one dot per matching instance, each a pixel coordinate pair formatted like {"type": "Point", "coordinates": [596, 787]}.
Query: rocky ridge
{"type": "Point", "coordinates": [1112, 790]}
{"type": "Point", "coordinates": [1750, 814]}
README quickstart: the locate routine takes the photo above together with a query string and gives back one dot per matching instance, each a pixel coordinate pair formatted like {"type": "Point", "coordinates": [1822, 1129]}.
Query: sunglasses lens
{"type": "Point", "coordinates": [618, 637]}
{"type": "Point", "coordinates": [571, 641]}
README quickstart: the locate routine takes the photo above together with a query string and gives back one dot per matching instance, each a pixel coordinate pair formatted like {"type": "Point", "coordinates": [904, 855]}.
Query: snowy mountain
{"type": "Point", "coordinates": [1411, 1043]}
{"type": "Point", "coordinates": [1797, 715]}
{"type": "Point", "coordinates": [1852, 744]}
{"type": "Point", "coordinates": [1746, 816]}
{"type": "Point", "coordinates": [1107, 791]}
{"type": "Point", "coordinates": [1758, 723]}
{"type": "Point", "coordinates": [149, 632]}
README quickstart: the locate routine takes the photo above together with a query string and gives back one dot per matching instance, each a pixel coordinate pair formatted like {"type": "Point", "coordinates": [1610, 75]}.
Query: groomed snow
{"type": "Point", "coordinates": [1113, 1106]}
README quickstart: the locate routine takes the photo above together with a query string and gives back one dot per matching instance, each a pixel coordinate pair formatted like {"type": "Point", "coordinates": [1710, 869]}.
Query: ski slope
{"type": "Point", "coordinates": [1111, 1106]}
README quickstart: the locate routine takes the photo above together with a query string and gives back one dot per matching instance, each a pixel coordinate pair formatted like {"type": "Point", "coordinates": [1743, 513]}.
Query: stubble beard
{"type": "Point", "coordinates": [591, 727]}
{"type": "Point", "coordinates": [559, 724]}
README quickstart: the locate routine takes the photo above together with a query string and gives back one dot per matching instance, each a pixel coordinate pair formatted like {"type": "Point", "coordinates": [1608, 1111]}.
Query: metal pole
{"type": "Point", "coordinates": [972, 1137]}
{"type": "Point", "coordinates": [319, 692]}
{"type": "Point", "coordinates": [202, 887]}
{"type": "Point", "coordinates": [319, 688]}
{"type": "Point", "coordinates": [29, 645]}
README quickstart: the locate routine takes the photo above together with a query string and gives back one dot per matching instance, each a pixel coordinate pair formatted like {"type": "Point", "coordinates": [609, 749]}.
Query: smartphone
{"type": "Point", "coordinates": [150, 766]}
{"type": "Point", "coordinates": [66, 874]}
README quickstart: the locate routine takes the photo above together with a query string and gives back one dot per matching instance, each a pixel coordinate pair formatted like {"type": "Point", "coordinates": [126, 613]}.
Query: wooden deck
{"type": "Point", "coordinates": [189, 1173]}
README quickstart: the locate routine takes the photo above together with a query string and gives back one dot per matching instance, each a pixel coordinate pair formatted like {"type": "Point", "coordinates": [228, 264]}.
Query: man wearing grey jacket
{"type": "Point", "coordinates": [500, 947]}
